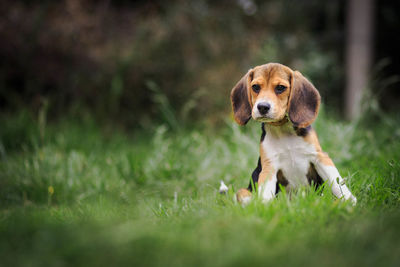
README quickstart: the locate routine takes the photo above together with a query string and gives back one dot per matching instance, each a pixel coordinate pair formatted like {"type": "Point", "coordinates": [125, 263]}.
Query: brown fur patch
{"type": "Point", "coordinates": [281, 179]}
{"type": "Point", "coordinates": [323, 157]}
{"type": "Point", "coordinates": [267, 170]}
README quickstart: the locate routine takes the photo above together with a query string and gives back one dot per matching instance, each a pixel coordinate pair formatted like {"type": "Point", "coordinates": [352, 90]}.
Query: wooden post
{"type": "Point", "coordinates": [359, 32]}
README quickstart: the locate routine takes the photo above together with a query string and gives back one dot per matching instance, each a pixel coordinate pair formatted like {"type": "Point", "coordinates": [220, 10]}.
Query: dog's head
{"type": "Point", "coordinates": [270, 92]}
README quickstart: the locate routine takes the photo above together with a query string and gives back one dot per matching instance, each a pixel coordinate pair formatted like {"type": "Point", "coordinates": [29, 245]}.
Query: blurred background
{"type": "Point", "coordinates": [137, 63]}
{"type": "Point", "coordinates": [116, 130]}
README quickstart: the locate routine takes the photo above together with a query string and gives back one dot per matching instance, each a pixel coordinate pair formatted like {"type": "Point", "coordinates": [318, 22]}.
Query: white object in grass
{"type": "Point", "coordinates": [223, 188]}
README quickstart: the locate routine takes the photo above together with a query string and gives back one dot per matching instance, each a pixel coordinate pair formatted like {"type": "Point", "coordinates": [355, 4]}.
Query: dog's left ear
{"type": "Point", "coordinates": [304, 101]}
{"type": "Point", "coordinates": [240, 99]}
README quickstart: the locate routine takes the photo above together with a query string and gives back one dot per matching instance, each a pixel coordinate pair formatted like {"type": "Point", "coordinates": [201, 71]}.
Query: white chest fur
{"type": "Point", "coordinates": [289, 153]}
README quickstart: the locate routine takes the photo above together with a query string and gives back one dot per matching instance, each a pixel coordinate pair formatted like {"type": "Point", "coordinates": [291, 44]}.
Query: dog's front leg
{"type": "Point", "coordinates": [328, 172]}
{"type": "Point", "coordinates": [267, 185]}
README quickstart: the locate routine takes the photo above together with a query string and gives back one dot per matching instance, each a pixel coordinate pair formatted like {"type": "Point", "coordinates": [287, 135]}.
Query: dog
{"type": "Point", "coordinates": [286, 104]}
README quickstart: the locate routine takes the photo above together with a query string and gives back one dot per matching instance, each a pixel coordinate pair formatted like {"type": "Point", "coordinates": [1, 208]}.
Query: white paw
{"type": "Point", "coordinates": [267, 199]}
{"type": "Point", "coordinates": [353, 200]}
{"type": "Point", "coordinates": [349, 197]}
{"type": "Point", "coordinates": [245, 201]}
{"type": "Point", "coordinates": [268, 191]}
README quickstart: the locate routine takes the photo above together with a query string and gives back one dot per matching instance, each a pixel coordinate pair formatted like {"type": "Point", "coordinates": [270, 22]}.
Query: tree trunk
{"type": "Point", "coordinates": [359, 32]}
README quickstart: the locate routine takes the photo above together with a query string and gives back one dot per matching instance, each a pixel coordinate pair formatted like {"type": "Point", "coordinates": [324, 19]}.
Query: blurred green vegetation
{"type": "Point", "coordinates": [76, 194]}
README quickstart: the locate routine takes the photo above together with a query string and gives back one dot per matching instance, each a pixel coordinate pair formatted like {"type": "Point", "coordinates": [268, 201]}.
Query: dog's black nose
{"type": "Point", "coordinates": [263, 108]}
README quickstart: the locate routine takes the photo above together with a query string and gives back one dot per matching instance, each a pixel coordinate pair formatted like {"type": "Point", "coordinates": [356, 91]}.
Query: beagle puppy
{"type": "Point", "coordinates": [286, 104]}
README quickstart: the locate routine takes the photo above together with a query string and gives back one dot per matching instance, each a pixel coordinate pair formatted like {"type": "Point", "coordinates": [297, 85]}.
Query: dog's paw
{"type": "Point", "coordinates": [353, 200]}
{"type": "Point", "coordinates": [349, 197]}
{"type": "Point", "coordinates": [243, 196]}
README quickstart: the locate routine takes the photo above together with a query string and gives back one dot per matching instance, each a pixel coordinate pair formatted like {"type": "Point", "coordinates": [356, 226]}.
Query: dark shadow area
{"type": "Point", "coordinates": [117, 60]}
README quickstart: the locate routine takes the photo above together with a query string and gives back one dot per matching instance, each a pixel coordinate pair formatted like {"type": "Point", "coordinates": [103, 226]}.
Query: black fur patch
{"type": "Point", "coordinates": [262, 133]}
{"type": "Point", "coordinates": [281, 181]}
{"type": "Point", "coordinates": [254, 176]}
{"type": "Point", "coordinates": [313, 177]}
{"type": "Point", "coordinates": [302, 131]}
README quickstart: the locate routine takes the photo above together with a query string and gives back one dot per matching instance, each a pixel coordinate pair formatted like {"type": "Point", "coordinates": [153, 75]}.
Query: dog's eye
{"type": "Point", "coordinates": [256, 88]}
{"type": "Point", "coordinates": [280, 89]}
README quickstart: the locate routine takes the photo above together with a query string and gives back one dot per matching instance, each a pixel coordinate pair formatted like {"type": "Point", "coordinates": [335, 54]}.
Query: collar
{"type": "Point", "coordinates": [279, 123]}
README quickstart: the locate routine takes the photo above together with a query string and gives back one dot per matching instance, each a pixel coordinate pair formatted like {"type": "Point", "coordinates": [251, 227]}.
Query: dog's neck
{"type": "Point", "coordinates": [284, 129]}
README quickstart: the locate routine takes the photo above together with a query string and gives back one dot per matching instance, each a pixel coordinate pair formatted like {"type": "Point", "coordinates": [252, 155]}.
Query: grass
{"type": "Point", "coordinates": [76, 194]}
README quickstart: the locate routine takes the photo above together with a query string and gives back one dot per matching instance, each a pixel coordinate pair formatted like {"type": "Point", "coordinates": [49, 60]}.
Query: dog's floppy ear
{"type": "Point", "coordinates": [240, 99]}
{"type": "Point", "coordinates": [303, 102]}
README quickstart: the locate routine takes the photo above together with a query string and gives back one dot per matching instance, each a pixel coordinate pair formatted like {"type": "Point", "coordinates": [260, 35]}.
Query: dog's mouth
{"type": "Point", "coordinates": [272, 121]}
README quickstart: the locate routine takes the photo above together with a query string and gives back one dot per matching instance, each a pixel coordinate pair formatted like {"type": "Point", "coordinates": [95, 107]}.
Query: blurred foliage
{"type": "Point", "coordinates": [102, 55]}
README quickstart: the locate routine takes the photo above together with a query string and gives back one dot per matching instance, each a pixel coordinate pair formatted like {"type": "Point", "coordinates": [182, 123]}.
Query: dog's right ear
{"type": "Point", "coordinates": [304, 101]}
{"type": "Point", "coordinates": [240, 98]}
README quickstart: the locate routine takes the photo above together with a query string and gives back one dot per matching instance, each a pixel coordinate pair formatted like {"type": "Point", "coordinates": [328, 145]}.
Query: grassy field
{"type": "Point", "coordinates": [76, 194]}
